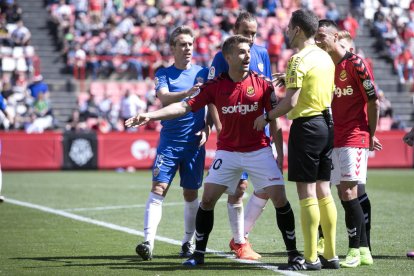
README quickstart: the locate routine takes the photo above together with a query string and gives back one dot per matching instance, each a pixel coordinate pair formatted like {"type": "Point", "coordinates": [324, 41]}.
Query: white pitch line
{"type": "Point", "coordinates": [139, 233]}
{"type": "Point", "coordinates": [103, 208]}
{"type": "Point", "coordinates": [115, 207]}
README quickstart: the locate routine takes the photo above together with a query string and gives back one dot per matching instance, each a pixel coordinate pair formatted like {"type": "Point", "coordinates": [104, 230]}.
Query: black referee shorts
{"type": "Point", "coordinates": [310, 150]}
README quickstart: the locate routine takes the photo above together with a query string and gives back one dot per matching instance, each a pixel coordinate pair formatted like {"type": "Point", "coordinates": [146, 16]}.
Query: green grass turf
{"type": "Point", "coordinates": [36, 242]}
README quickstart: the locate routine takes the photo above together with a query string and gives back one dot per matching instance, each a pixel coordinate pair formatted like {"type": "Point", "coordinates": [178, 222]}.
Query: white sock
{"type": "Point", "coordinates": [190, 213]}
{"type": "Point", "coordinates": [235, 212]}
{"type": "Point", "coordinates": [152, 217]}
{"type": "Point", "coordinates": [254, 209]}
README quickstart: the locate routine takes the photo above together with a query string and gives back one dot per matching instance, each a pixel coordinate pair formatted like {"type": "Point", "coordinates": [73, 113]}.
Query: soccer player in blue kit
{"type": "Point", "coordinates": [246, 25]}
{"type": "Point", "coordinates": [181, 144]}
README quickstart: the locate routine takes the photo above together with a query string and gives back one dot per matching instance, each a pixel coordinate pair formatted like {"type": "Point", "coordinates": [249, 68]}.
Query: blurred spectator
{"type": "Point", "coordinates": [20, 35]}
{"type": "Point", "coordinates": [41, 118]}
{"type": "Point", "coordinates": [350, 24]}
{"type": "Point", "coordinates": [385, 105]}
{"type": "Point", "coordinates": [74, 122]}
{"type": "Point", "coordinates": [38, 87]}
{"type": "Point", "coordinates": [4, 116]}
{"type": "Point", "coordinates": [332, 13]}
{"type": "Point", "coordinates": [131, 105]}
{"type": "Point", "coordinates": [403, 64]}
{"type": "Point", "coordinates": [275, 44]}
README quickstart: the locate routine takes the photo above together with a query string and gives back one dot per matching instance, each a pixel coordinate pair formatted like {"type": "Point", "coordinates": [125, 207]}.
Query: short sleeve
{"type": "Point", "coordinates": [294, 73]}
{"type": "Point", "coordinates": [160, 79]}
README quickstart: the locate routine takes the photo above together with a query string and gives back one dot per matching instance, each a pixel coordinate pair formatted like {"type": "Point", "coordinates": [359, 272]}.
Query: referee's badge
{"type": "Point", "coordinates": [342, 75]}
{"type": "Point", "coordinates": [250, 91]}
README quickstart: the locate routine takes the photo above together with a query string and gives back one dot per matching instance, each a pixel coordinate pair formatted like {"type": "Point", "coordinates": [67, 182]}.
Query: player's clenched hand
{"type": "Point", "coordinates": [374, 144]}
{"type": "Point", "coordinates": [203, 137]}
{"type": "Point", "coordinates": [279, 79]}
{"type": "Point", "coordinates": [259, 123]}
{"type": "Point", "coordinates": [136, 121]}
{"type": "Point", "coordinates": [194, 90]}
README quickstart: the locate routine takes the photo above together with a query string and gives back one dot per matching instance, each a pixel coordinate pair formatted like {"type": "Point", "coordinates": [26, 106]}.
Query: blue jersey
{"type": "Point", "coordinates": [2, 102]}
{"type": "Point", "coordinates": [182, 129]}
{"type": "Point", "coordinates": [259, 63]}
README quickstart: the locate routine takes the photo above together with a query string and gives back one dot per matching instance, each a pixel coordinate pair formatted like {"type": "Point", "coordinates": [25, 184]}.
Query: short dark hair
{"type": "Point", "coordinates": [306, 20]}
{"type": "Point", "coordinates": [327, 23]}
{"type": "Point", "coordinates": [232, 41]}
{"type": "Point", "coordinates": [178, 31]}
{"type": "Point", "coordinates": [244, 16]}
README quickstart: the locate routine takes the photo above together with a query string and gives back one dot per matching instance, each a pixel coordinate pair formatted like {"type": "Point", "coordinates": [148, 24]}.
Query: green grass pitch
{"type": "Point", "coordinates": [88, 223]}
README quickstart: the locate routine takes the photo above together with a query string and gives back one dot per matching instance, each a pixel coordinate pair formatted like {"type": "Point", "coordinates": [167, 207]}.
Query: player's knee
{"type": "Point", "coordinates": [190, 195]}
{"type": "Point", "coordinates": [207, 203]}
{"type": "Point", "coordinates": [348, 195]}
{"type": "Point", "coordinates": [159, 188]}
{"type": "Point", "coordinates": [242, 187]}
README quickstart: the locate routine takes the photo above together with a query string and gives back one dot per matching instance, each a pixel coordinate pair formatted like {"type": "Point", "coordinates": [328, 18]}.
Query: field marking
{"type": "Point", "coordinates": [140, 233]}
{"type": "Point", "coordinates": [115, 207]}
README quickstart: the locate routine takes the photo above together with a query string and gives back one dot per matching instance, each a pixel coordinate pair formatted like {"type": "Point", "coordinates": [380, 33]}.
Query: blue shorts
{"type": "Point", "coordinates": [187, 158]}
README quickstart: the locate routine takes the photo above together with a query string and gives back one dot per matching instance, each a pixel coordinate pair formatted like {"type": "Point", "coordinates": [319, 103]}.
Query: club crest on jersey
{"type": "Point", "coordinates": [211, 72]}
{"type": "Point", "coordinates": [342, 75]}
{"type": "Point", "coordinates": [250, 91]}
{"type": "Point", "coordinates": [260, 66]}
{"type": "Point", "coordinates": [368, 85]}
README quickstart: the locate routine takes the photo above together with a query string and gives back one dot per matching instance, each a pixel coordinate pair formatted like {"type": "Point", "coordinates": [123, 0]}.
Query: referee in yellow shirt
{"type": "Point", "coordinates": [309, 86]}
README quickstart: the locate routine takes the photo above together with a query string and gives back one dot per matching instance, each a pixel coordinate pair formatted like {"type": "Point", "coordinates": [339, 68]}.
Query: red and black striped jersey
{"type": "Point", "coordinates": [354, 87]}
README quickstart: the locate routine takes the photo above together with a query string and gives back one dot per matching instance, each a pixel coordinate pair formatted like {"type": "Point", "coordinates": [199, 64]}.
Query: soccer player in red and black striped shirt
{"type": "Point", "coordinates": [355, 109]}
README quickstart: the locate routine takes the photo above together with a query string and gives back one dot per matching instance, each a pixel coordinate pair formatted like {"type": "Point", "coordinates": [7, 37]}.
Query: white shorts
{"type": "Point", "coordinates": [260, 165]}
{"type": "Point", "coordinates": [349, 164]}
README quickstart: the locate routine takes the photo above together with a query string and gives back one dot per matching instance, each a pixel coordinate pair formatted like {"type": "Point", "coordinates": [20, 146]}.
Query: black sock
{"type": "Point", "coordinates": [286, 223]}
{"type": "Point", "coordinates": [366, 208]}
{"type": "Point", "coordinates": [320, 231]}
{"type": "Point", "coordinates": [354, 218]}
{"type": "Point", "coordinates": [204, 225]}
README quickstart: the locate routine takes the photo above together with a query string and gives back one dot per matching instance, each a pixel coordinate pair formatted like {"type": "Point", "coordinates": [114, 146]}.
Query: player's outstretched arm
{"type": "Point", "coordinates": [171, 111]}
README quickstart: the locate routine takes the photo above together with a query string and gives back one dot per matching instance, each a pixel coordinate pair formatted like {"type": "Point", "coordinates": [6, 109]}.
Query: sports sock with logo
{"type": "Point", "coordinates": [354, 218]}
{"type": "Point", "coordinates": [366, 209]}
{"type": "Point", "coordinates": [286, 223]}
{"type": "Point", "coordinates": [204, 225]}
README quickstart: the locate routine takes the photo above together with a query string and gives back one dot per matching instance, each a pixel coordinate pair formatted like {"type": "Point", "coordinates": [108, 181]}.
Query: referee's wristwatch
{"type": "Point", "coordinates": [266, 117]}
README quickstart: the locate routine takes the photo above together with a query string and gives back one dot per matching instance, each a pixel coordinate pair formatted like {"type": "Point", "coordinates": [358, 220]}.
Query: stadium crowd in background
{"type": "Point", "coordinates": [23, 108]}
{"type": "Point", "coordinates": [127, 40]}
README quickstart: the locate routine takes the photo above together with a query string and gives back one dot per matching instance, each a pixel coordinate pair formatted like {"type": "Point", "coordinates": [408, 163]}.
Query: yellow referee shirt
{"type": "Point", "coordinates": [312, 70]}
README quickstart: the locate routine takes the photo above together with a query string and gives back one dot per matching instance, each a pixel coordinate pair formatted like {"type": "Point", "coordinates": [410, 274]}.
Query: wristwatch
{"type": "Point", "coordinates": [266, 117]}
